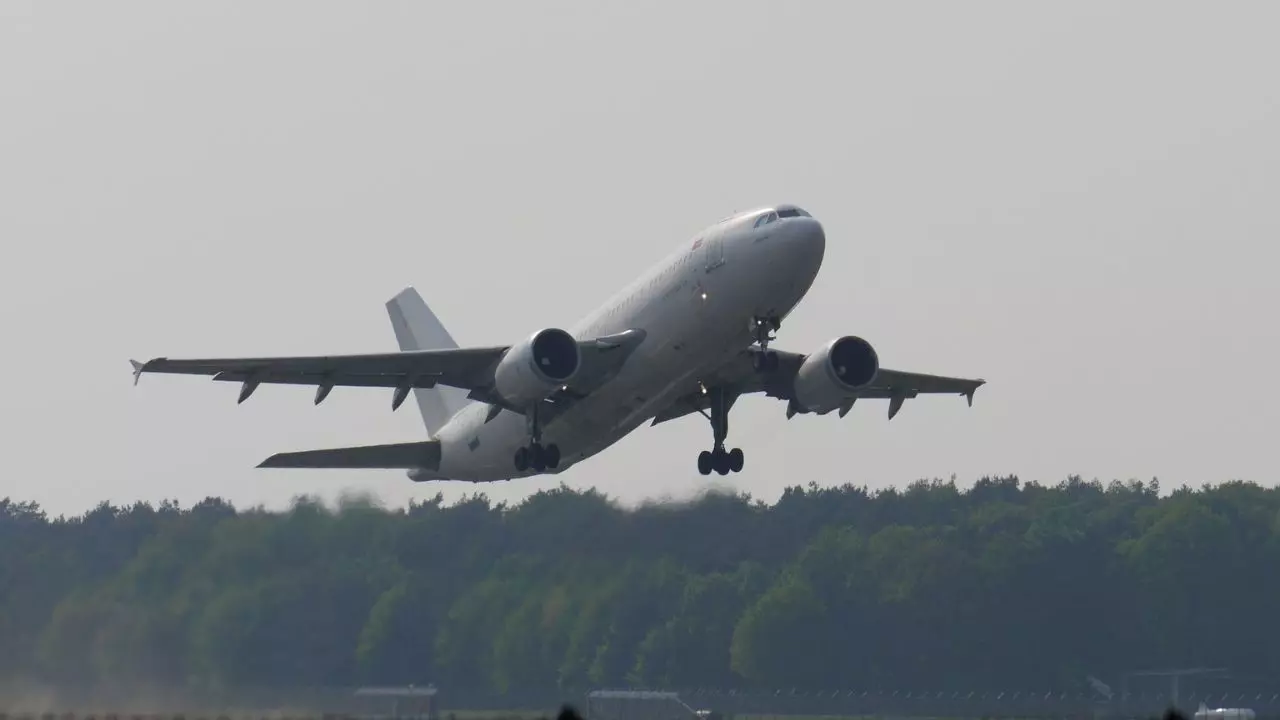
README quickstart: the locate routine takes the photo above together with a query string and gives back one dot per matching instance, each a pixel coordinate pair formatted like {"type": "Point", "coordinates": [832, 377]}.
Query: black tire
{"type": "Point", "coordinates": [537, 458]}
{"type": "Point", "coordinates": [704, 463]}
{"type": "Point", "coordinates": [721, 461]}
{"type": "Point", "coordinates": [553, 456]}
{"type": "Point", "coordinates": [736, 460]}
{"type": "Point", "coordinates": [522, 459]}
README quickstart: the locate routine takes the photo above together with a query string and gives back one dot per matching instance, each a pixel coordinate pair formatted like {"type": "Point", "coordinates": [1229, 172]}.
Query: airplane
{"type": "Point", "coordinates": [690, 335]}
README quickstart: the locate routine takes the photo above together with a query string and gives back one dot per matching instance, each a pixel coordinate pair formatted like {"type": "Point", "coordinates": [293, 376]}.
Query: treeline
{"type": "Point", "coordinates": [1003, 585]}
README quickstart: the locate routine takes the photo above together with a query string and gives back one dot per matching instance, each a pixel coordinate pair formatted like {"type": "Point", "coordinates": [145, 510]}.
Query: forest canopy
{"type": "Point", "coordinates": [928, 586]}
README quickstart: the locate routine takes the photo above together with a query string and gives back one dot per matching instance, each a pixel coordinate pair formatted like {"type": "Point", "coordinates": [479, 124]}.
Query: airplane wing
{"type": "Point", "coordinates": [468, 368]}
{"type": "Point", "coordinates": [740, 377]}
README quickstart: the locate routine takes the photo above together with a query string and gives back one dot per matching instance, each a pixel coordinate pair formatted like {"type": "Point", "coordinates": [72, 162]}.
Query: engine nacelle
{"type": "Point", "coordinates": [536, 367]}
{"type": "Point", "coordinates": [833, 375]}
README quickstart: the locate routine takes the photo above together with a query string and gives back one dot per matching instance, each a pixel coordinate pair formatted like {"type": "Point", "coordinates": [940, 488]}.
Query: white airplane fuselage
{"type": "Point", "coordinates": [696, 308]}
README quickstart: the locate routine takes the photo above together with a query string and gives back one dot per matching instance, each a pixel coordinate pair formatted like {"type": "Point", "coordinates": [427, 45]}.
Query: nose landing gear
{"type": "Point", "coordinates": [718, 459]}
{"type": "Point", "coordinates": [762, 328]}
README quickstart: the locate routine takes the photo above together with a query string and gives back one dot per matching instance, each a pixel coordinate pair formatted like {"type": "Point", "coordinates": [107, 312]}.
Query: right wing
{"type": "Point", "coordinates": [740, 377]}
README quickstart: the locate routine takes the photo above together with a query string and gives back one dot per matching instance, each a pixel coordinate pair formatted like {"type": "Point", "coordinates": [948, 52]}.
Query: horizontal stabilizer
{"type": "Point", "coordinates": [402, 456]}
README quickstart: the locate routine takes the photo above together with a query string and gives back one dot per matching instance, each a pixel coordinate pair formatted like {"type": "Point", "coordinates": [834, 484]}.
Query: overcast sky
{"type": "Point", "coordinates": [1076, 201]}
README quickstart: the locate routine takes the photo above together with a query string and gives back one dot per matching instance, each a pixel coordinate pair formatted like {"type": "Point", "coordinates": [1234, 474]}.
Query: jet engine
{"type": "Point", "coordinates": [536, 367]}
{"type": "Point", "coordinates": [833, 375]}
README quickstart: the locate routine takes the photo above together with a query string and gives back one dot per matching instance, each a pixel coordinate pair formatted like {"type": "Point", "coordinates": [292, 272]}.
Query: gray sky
{"type": "Point", "coordinates": [1075, 201]}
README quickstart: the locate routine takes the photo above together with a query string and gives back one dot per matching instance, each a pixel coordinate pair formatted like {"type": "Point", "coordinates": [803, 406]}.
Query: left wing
{"type": "Point", "coordinates": [467, 368]}
{"type": "Point", "coordinates": [471, 369]}
{"type": "Point", "coordinates": [740, 377]}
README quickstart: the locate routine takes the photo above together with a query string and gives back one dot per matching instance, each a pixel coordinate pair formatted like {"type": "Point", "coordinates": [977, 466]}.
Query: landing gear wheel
{"type": "Point", "coordinates": [720, 459]}
{"type": "Point", "coordinates": [704, 463]}
{"type": "Point", "coordinates": [736, 460]}
{"type": "Point", "coordinates": [537, 457]}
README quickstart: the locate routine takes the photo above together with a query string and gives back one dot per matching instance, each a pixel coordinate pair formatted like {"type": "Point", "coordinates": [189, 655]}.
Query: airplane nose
{"type": "Point", "coordinates": [809, 236]}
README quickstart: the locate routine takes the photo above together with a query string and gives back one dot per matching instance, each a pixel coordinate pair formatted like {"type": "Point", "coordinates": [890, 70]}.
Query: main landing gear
{"type": "Point", "coordinates": [761, 328]}
{"type": "Point", "coordinates": [718, 459]}
{"type": "Point", "coordinates": [536, 455]}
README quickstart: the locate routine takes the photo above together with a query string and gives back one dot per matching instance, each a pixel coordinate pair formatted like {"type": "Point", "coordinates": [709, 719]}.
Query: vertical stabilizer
{"type": "Point", "coordinates": [417, 328]}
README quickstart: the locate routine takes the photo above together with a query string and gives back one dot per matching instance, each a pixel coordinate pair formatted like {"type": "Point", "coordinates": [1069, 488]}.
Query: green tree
{"type": "Point", "coordinates": [932, 585]}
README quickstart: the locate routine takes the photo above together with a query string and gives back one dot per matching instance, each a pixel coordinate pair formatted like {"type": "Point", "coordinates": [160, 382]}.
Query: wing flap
{"type": "Point", "coordinates": [398, 456]}
{"type": "Point", "coordinates": [420, 380]}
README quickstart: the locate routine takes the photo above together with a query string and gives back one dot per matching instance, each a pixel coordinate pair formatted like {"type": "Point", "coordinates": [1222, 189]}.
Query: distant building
{"type": "Point", "coordinates": [409, 702]}
{"type": "Point", "coordinates": [1204, 713]}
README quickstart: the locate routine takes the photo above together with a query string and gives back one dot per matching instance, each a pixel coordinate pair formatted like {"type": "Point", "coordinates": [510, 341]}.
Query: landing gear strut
{"type": "Point", "coordinates": [718, 459]}
{"type": "Point", "coordinates": [762, 328]}
{"type": "Point", "coordinates": [536, 455]}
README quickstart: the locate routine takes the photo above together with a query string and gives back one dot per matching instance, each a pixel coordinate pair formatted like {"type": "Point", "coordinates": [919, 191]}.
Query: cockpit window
{"type": "Point", "coordinates": [790, 211]}
{"type": "Point", "coordinates": [766, 219]}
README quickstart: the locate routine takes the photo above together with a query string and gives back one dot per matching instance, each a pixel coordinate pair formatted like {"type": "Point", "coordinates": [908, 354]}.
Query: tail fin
{"type": "Point", "coordinates": [417, 328]}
